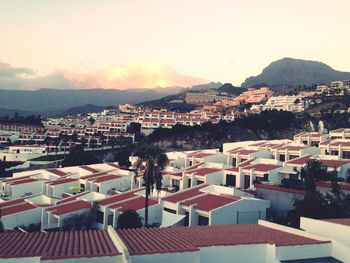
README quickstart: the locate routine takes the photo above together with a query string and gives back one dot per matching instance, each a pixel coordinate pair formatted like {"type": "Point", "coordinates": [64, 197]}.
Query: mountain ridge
{"type": "Point", "coordinates": [294, 72]}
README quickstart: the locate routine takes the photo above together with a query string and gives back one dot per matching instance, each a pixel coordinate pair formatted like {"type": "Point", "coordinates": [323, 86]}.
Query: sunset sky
{"type": "Point", "coordinates": [149, 43]}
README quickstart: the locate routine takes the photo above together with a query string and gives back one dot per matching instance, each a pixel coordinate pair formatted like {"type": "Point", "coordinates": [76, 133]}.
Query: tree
{"type": "Point", "coordinates": [153, 160]}
{"type": "Point", "coordinates": [83, 221]}
{"type": "Point", "coordinates": [129, 219]}
{"type": "Point", "coordinates": [313, 172]}
{"type": "Point", "coordinates": [334, 204]}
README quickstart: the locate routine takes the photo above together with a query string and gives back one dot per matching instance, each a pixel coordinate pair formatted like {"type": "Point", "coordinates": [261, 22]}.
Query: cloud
{"type": "Point", "coordinates": [147, 75]}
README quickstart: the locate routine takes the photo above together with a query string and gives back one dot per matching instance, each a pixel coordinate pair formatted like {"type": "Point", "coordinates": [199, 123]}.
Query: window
{"type": "Point", "coordinates": [100, 216]}
{"type": "Point", "coordinates": [98, 189]}
{"type": "Point", "coordinates": [203, 221]}
{"type": "Point", "coordinates": [246, 181]}
{"type": "Point", "coordinates": [293, 157]}
{"type": "Point", "coordinates": [189, 182]}
{"type": "Point", "coordinates": [346, 155]}
{"type": "Point", "coordinates": [230, 180]}
{"type": "Point", "coordinates": [170, 210]}
{"type": "Point", "coordinates": [282, 157]}
{"type": "Point", "coordinates": [200, 182]}
{"type": "Point", "coordinates": [82, 187]}
{"type": "Point", "coordinates": [334, 152]}
{"type": "Point", "coordinates": [187, 219]}
{"type": "Point", "coordinates": [314, 143]}
{"type": "Point", "coordinates": [110, 220]}
{"type": "Point", "coordinates": [234, 161]}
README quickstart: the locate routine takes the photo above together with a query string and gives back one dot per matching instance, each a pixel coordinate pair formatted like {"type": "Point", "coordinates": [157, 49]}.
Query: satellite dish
{"type": "Point", "coordinates": [320, 127]}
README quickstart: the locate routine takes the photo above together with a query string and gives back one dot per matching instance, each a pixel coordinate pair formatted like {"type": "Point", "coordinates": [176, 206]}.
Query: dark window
{"type": "Point", "coordinates": [98, 189]}
{"type": "Point", "coordinates": [82, 187]}
{"type": "Point", "coordinates": [189, 182]}
{"type": "Point", "coordinates": [334, 152]}
{"type": "Point", "coordinates": [346, 155]}
{"type": "Point", "coordinates": [243, 160]}
{"type": "Point", "coordinates": [200, 182]}
{"type": "Point", "coordinates": [230, 180]}
{"type": "Point", "coordinates": [305, 142]}
{"type": "Point", "coordinates": [170, 210]}
{"type": "Point", "coordinates": [190, 163]}
{"type": "Point", "coordinates": [203, 221]}
{"type": "Point", "coordinates": [187, 219]}
{"type": "Point", "coordinates": [110, 220]}
{"type": "Point", "coordinates": [314, 143]}
{"type": "Point", "coordinates": [293, 157]}
{"type": "Point", "coordinates": [246, 181]}
{"type": "Point", "coordinates": [99, 216]}
{"type": "Point", "coordinates": [234, 161]}
{"type": "Point", "coordinates": [282, 157]}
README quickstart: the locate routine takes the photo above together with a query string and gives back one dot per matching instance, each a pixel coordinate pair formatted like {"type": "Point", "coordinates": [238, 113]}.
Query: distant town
{"type": "Point", "coordinates": [99, 174]}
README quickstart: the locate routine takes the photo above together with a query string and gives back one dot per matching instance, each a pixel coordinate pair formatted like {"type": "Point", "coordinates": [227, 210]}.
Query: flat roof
{"type": "Point", "coordinates": [185, 194]}
{"type": "Point", "coordinates": [133, 204]}
{"type": "Point", "coordinates": [185, 239]}
{"type": "Point", "coordinates": [57, 245]}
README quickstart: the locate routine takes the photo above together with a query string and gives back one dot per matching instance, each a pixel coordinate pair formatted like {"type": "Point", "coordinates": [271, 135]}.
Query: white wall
{"type": "Point", "coordinates": [339, 234]}
{"type": "Point", "coordinates": [25, 218]}
{"type": "Point", "coordinates": [185, 257]}
{"type": "Point", "coordinates": [21, 189]}
{"type": "Point", "coordinates": [238, 254]}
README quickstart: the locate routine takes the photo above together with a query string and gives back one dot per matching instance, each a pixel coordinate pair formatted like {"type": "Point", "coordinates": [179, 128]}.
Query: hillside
{"type": "Point", "coordinates": [294, 72]}
{"type": "Point", "coordinates": [46, 101]}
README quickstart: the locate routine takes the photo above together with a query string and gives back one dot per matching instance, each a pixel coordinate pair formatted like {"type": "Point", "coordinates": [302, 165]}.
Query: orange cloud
{"type": "Point", "coordinates": [148, 75]}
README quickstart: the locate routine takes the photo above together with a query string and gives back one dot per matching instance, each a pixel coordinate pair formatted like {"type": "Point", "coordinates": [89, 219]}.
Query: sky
{"type": "Point", "coordinates": [161, 43]}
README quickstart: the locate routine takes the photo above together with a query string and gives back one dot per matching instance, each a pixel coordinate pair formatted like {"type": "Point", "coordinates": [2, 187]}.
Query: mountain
{"type": "Point", "coordinates": [230, 89]}
{"type": "Point", "coordinates": [11, 112]}
{"type": "Point", "coordinates": [48, 101]}
{"type": "Point", "coordinates": [210, 85]}
{"type": "Point", "coordinates": [294, 72]}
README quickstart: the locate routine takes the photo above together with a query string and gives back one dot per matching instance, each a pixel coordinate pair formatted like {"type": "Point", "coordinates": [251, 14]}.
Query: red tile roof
{"type": "Point", "coordinates": [15, 179]}
{"type": "Point", "coordinates": [72, 197]}
{"type": "Point", "coordinates": [23, 181]}
{"type": "Point", "coordinates": [88, 168]}
{"type": "Point", "coordinates": [340, 221]}
{"type": "Point", "coordinates": [133, 204]}
{"type": "Point", "coordinates": [11, 202]}
{"type": "Point", "coordinates": [280, 188]}
{"type": "Point", "coordinates": [301, 160]}
{"type": "Point", "coordinates": [67, 208]}
{"type": "Point", "coordinates": [118, 197]}
{"type": "Point", "coordinates": [57, 245]}
{"type": "Point", "coordinates": [334, 163]}
{"type": "Point", "coordinates": [262, 167]}
{"type": "Point", "coordinates": [209, 202]}
{"type": "Point", "coordinates": [184, 239]}
{"type": "Point", "coordinates": [185, 194]}
{"type": "Point", "coordinates": [57, 172]}
{"type": "Point", "coordinates": [63, 181]}
{"type": "Point", "coordinates": [204, 171]}
{"type": "Point", "coordinates": [17, 208]}
{"type": "Point", "coordinates": [202, 155]}
{"type": "Point", "coordinates": [92, 176]}
{"type": "Point", "coordinates": [232, 169]}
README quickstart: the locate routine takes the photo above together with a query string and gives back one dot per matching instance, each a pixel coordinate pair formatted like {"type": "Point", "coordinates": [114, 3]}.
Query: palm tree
{"type": "Point", "coordinates": [151, 162]}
